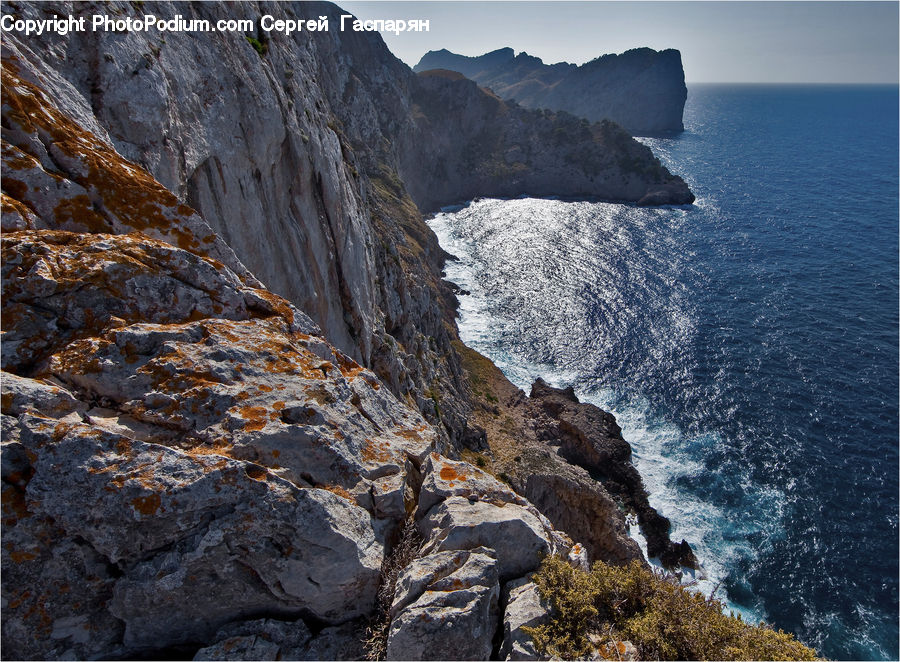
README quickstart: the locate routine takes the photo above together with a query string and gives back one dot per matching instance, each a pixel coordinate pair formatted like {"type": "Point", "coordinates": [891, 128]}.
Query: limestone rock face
{"type": "Point", "coordinates": [524, 608]}
{"type": "Point", "coordinates": [446, 606]}
{"type": "Point", "coordinates": [60, 175]}
{"type": "Point", "coordinates": [181, 449]}
{"type": "Point", "coordinates": [201, 452]}
{"type": "Point", "coordinates": [169, 524]}
{"type": "Point", "coordinates": [641, 89]}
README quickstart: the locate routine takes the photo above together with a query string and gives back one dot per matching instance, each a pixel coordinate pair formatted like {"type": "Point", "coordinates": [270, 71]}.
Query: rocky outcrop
{"type": "Point", "coordinates": [446, 603]}
{"type": "Point", "coordinates": [568, 459]}
{"type": "Point", "coordinates": [641, 89]}
{"type": "Point", "coordinates": [524, 607]}
{"type": "Point", "coordinates": [471, 143]}
{"type": "Point", "coordinates": [478, 535]}
{"type": "Point", "coordinates": [181, 448]}
{"type": "Point", "coordinates": [474, 510]}
{"type": "Point", "coordinates": [589, 437]}
{"type": "Point", "coordinates": [204, 471]}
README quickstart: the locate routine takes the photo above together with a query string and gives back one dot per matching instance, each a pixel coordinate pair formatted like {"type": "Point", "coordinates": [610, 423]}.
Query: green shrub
{"type": "Point", "coordinates": [261, 47]}
{"type": "Point", "coordinates": [665, 620]}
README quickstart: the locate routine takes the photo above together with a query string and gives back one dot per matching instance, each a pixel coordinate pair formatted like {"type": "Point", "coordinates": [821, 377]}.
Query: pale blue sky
{"type": "Point", "coordinates": [777, 42]}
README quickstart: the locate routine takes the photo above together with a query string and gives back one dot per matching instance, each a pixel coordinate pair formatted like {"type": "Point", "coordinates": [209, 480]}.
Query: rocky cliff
{"type": "Point", "coordinates": [234, 402]}
{"type": "Point", "coordinates": [642, 89]}
{"type": "Point", "coordinates": [469, 143]}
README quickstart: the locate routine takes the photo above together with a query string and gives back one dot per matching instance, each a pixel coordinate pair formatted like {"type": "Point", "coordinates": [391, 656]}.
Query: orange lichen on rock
{"type": "Point", "coordinates": [348, 367]}
{"type": "Point", "coordinates": [256, 472]}
{"type": "Point", "coordinates": [340, 491]}
{"type": "Point", "coordinates": [413, 434]}
{"type": "Point", "coordinates": [613, 650]}
{"type": "Point", "coordinates": [14, 506]}
{"type": "Point", "coordinates": [255, 417]}
{"type": "Point", "coordinates": [11, 205]}
{"type": "Point", "coordinates": [15, 159]}
{"type": "Point", "coordinates": [147, 505]}
{"type": "Point", "coordinates": [219, 446]}
{"type": "Point", "coordinates": [449, 473]}
{"type": "Point", "coordinates": [276, 305]}
{"type": "Point", "coordinates": [374, 451]}
{"type": "Point", "coordinates": [78, 212]}
{"type": "Point", "coordinates": [19, 556]}
{"type": "Point", "coordinates": [127, 191]}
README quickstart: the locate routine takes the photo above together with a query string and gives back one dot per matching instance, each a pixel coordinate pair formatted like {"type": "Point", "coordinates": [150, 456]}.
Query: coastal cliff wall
{"type": "Point", "coordinates": [232, 381]}
{"type": "Point", "coordinates": [642, 89]}
{"type": "Point", "coordinates": [290, 153]}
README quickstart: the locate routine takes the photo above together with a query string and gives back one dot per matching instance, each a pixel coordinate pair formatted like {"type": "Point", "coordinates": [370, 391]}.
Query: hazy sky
{"type": "Point", "coordinates": [816, 42]}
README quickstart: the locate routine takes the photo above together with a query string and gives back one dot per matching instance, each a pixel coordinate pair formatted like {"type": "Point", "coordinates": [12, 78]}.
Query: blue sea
{"type": "Point", "coordinates": [747, 344]}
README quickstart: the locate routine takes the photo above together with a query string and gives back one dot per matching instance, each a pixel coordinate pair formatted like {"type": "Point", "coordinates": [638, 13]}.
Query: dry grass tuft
{"type": "Point", "coordinates": [403, 553]}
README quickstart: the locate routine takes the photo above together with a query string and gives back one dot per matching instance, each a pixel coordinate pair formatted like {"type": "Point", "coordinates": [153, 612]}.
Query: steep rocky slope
{"type": "Point", "coordinates": [294, 156]}
{"type": "Point", "coordinates": [570, 460]}
{"type": "Point", "coordinates": [641, 89]}
{"type": "Point", "coordinates": [183, 454]}
{"type": "Point", "coordinates": [196, 465]}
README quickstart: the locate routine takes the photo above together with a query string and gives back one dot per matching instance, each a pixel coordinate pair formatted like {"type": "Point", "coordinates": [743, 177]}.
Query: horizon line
{"type": "Point", "coordinates": [791, 82]}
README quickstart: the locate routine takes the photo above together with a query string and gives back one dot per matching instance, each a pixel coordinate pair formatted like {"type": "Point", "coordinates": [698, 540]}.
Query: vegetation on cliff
{"type": "Point", "coordinates": [665, 620]}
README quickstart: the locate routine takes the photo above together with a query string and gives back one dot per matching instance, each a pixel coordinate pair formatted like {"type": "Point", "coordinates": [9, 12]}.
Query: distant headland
{"type": "Point", "coordinates": [641, 89]}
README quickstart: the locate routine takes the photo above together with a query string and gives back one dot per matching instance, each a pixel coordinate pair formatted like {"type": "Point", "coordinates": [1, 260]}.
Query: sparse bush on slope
{"type": "Point", "coordinates": [665, 620]}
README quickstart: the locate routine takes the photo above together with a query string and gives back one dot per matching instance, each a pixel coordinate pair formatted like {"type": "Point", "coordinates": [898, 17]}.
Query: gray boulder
{"type": "Point", "coordinates": [444, 478]}
{"type": "Point", "coordinates": [524, 608]}
{"type": "Point", "coordinates": [520, 537]}
{"type": "Point", "coordinates": [446, 607]}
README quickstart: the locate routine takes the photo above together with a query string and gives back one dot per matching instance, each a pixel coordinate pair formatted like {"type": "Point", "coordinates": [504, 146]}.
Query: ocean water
{"type": "Point", "coordinates": [747, 344]}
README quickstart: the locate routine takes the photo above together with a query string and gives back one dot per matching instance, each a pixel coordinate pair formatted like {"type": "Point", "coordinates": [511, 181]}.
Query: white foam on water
{"type": "Point", "coordinates": [657, 444]}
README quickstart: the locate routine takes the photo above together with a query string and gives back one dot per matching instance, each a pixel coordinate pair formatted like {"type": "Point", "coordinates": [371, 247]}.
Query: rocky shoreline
{"type": "Point", "coordinates": [232, 381]}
